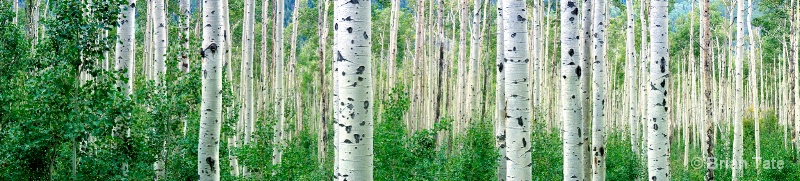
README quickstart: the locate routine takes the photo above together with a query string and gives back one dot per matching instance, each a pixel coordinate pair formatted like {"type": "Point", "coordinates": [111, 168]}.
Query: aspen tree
{"type": "Point", "coordinates": [125, 49]}
{"type": "Point", "coordinates": [394, 23]}
{"type": "Point", "coordinates": [585, 89]}
{"type": "Point", "coordinates": [754, 83]}
{"type": "Point", "coordinates": [705, 57]}
{"type": "Point", "coordinates": [658, 142]}
{"type": "Point", "coordinates": [15, 9]}
{"type": "Point", "coordinates": [278, 138]}
{"type": "Point", "coordinates": [738, 112]}
{"type": "Point", "coordinates": [571, 101]}
{"type": "Point", "coordinates": [323, 42]}
{"type": "Point", "coordinates": [633, 101]}
{"type": "Point", "coordinates": [159, 39]}
{"type": "Point", "coordinates": [185, 21]}
{"type": "Point", "coordinates": [211, 105]}
{"type": "Point", "coordinates": [517, 89]}
{"type": "Point", "coordinates": [500, 97]}
{"type": "Point", "coordinates": [598, 92]}
{"type": "Point", "coordinates": [248, 42]}
{"type": "Point", "coordinates": [644, 74]}
{"type": "Point", "coordinates": [353, 113]}
{"type": "Point", "coordinates": [474, 56]}
{"type": "Point", "coordinates": [294, 86]}
{"type": "Point", "coordinates": [462, 69]}
{"type": "Point", "coordinates": [148, 42]}
{"type": "Point", "coordinates": [686, 125]}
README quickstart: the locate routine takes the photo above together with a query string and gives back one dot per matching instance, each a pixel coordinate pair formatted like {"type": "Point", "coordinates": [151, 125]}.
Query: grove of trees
{"type": "Point", "coordinates": [399, 90]}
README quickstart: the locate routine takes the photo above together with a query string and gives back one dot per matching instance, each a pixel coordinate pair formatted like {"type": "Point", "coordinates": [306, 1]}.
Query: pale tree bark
{"type": "Point", "coordinates": [586, 87]}
{"type": "Point", "coordinates": [148, 42]}
{"type": "Point", "coordinates": [754, 83]}
{"type": "Point", "coordinates": [500, 97]}
{"type": "Point", "coordinates": [395, 18]}
{"type": "Point", "coordinates": [658, 142]}
{"type": "Point", "coordinates": [598, 92]}
{"type": "Point", "coordinates": [278, 140]}
{"type": "Point", "coordinates": [462, 69]}
{"type": "Point", "coordinates": [15, 9]}
{"type": "Point", "coordinates": [246, 78]}
{"type": "Point", "coordinates": [211, 106]}
{"type": "Point", "coordinates": [185, 9]}
{"type": "Point", "coordinates": [33, 24]}
{"type": "Point", "coordinates": [126, 46]}
{"type": "Point", "coordinates": [293, 74]}
{"type": "Point", "coordinates": [630, 49]}
{"type": "Point", "coordinates": [323, 98]}
{"type": "Point", "coordinates": [705, 57]}
{"type": "Point", "coordinates": [159, 39]}
{"type": "Point", "coordinates": [353, 110]}
{"type": "Point", "coordinates": [643, 74]}
{"type": "Point", "coordinates": [685, 122]}
{"type": "Point", "coordinates": [738, 111]}
{"type": "Point", "coordinates": [517, 90]}
{"type": "Point", "coordinates": [473, 55]}
{"type": "Point", "coordinates": [571, 100]}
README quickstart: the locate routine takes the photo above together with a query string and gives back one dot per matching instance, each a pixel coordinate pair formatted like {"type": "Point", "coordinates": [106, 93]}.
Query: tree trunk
{"type": "Point", "coordinates": [246, 79]}
{"type": "Point", "coordinates": [353, 113]}
{"type": "Point", "coordinates": [658, 142]}
{"type": "Point", "coordinates": [15, 9]}
{"type": "Point", "coordinates": [159, 39]}
{"type": "Point", "coordinates": [395, 16]}
{"type": "Point", "coordinates": [754, 84]}
{"type": "Point", "coordinates": [705, 57]}
{"type": "Point", "coordinates": [211, 105]}
{"type": "Point", "coordinates": [323, 98]}
{"type": "Point", "coordinates": [571, 100]}
{"type": "Point", "coordinates": [186, 14]}
{"type": "Point", "coordinates": [598, 92]}
{"type": "Point", "coordinates": [517, 89]}
{"type": "Point", "coordinates": [630, 50]}
{"type": "Point", "coordinates": [473, 55]}
{"type": "Point", "coordinates": [738, 111]}
{"type": "Point", "coordinates": [293, 74]}
{"type": "Point", "coordinates": [462, 69]}
{"type": "Point", "coordinates": [644, 81]}
{"type": "Point", "coordinates": [148, 42]}
{"type": "Point", "coordinates": [278, 139]}
{"type": "Point", "coordinates": [586, 87]}
{"type": "Point", "coordinates": [125, 49]}
{"type": "Point", "coordinates": [500, 98]}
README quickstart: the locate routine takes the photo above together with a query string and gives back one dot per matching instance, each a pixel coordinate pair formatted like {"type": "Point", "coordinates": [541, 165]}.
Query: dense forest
{"type": "Point", "coordinates": [399, 90]}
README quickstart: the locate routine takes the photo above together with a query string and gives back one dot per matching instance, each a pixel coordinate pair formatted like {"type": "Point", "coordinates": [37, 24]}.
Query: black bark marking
{"type": "Point", "coordinates": [349, 29]}
{"type": "Point", "coordinates": [579, 132]}
{"type": "Point", "coordinates": [360, 70]}
{"type": "Point", "coordinates": [524, 143]}
{"type": "Point", "coordinates": [602, 151]}
{"type": "Point", "coordinates": [520, 18]}
{"type": "Point", "coordinates": [654, 178]}
{"type": "Point", "coordinates": [578, 71]}
{"type": "Point", "coordinates": [519, 121]}
{"type": "Point", "coordinates": [655, 126]}
{"type": "Point", "coordinates": [366, 36]}
{"type": "Point", "coordinates": [513, 35]}
{"type": "Point", "coordinates": [347, 141]}
{"type": "Point", "coordinates": [362, 123]}
{"type": "Point", "coordinates": [348, 129]}
{"type": "Point", "coordinates": [133, 5]}
{"type": "Point", "coordinates": [353, 2]}
{"type": "Point", "coordinates": [335, 26]}
{"type": "Point", "coordinates": [571, 4]}
{"type": "Point", "coordinates": [350, 106]}
{"type": "Point", "coordinates": [348, 18]}
{"type": "Point", "coordinates": [357, 137]}
{"type": "Point", "coordinates": [663, 65]}
{"type": "Point", "coordinates": [366, 105]}
{"type": "Point", "coordinates": [571, 63]}
{"type": "Point", "coordinates": [575, 11]}
{"type": "Point", "coordinates": [500, 67]}
{"type": "Point", "coordinates": [210, 162]}
{"type": "Point", "coordinates": [571, 52]}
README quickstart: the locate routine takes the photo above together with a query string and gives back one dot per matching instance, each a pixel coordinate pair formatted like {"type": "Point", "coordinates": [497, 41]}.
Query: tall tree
{"type": "Point", "coordinates": [630, 49]}
{"type": "Point", "coordinates": [395, 24]}
{"type": "Point", "coordinates": [293, 74]}
{"type": "Point", "coordinates": [278, 139]}
{"type": "Point", "coordinates": [159, 39]}
{"type": "Point", "coordinates": [246, 78]}
{"type": "Point", "coordinates": [475, 32]}
{"type": "Point", "coordinates": [500, 97]}
{"type": "Point", "coordinates": [323, 42]}
{"type": "Point", "coordinates": [585, 94]}
{"type": "Point", "coordinates": [211, 106]}
{"type": "Point", "coordinates": [571, 101]}
{"type": "Point", "coordinates": [15, 9]}
{"type": "Point", "coordinates": [517, 90]}
{"type": "Point", "coordinates": [125, 50]}
{"type": "Point", "coordinates": [186, 16]}
{"type": "Point", "coordinates": [705, 57]}
{"type": "Point", "coordinates": [754, 81]}
{"type": "Point", "coordinates": [598, 92]}
{"type": "Point", "coordinates": [738, 111]}
{"type": "Point", "coordinates": [353, 111]}
{"type": "Point", "coordinates": [658, 141]}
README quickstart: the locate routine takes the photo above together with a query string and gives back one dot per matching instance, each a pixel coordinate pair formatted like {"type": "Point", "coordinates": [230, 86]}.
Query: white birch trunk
{"type": "Point", "coordinates": [586, 87]}
{"type": "Point", "coordinates": [15, 9]}
{"type": "Point", "coordinates": [658, 141]}
{"type": "Point", "coordinates": [474, 54]}
{"type": "Point", "coordinates": [395, 18]}
{"type": "Point", "coordinates": [126, 46]}
{"type": "Point", "coordinates": [159, 39]}
{"type": "Point", "coordinates": [323, 124]}
{"type": "Point", "coordinates": [754, 83]}
{"type": "Point", "coordinates": [248, 42]}
{"type": "Point", "coordinates": [598, 92]}
{"type": "Point", "coordinates": [278, 140]}
{"type": "Point", "coordinates": [633, 102]}
{"type": "Point", "coordinates": [705, 57]}
{"type": "Point", "coordinates": [500, 98]}
{"type": "Point", "coordinates": [517, 90]}
{"type": "Point", "coordinates": [211, 106]}
{"type": "Point", "coordinates": [353, 111]}
{"type": "Point", "coordinates": [571, 100]}
{"type": "Point", "coordinates": [186, 15]}
{"type": "Point", "coordinates": [738, 111]}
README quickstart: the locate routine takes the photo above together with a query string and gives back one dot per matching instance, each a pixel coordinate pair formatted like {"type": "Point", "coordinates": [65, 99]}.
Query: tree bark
{"type": "Point", "coordinates": [246, 79]}
{"type": "Point", "coordinates": [211, 106]}
{"type": "Point", "coordinates": [571, 100]}
{"type": "Point", "coordinates": [598, 92]}
{"type": "Point", "coordinates": [517, 90]}
{"type": "Point", "coordinates": [754, 83]}
{"type": "Point", "coordinates": [278, 139]}
{"type": "Point", "coordinates": [705, 57]}
{"type": "Point", "coordinates": [186, 14]}
{"type": "Point", "coordinates": [293, 74]}
{"type": "Point", "coordinates": [159, 39]}
{"type": "Point", "coordinates": [323, 98]}
{"type": "Point", "coordinates": [630, 50]}
{"type": "Point", "coordinates": [738, 111]}
{"type": "Point", "coordinates": [586, 87]}
{"type": "Point", "coordinates": [125, 49]}
{"type": "Point", "coordinates": [353, 110]}
{"type": "Point", "coordinates": [500, 98]}
{"type": "Point", "coordinates": [658, 142]}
